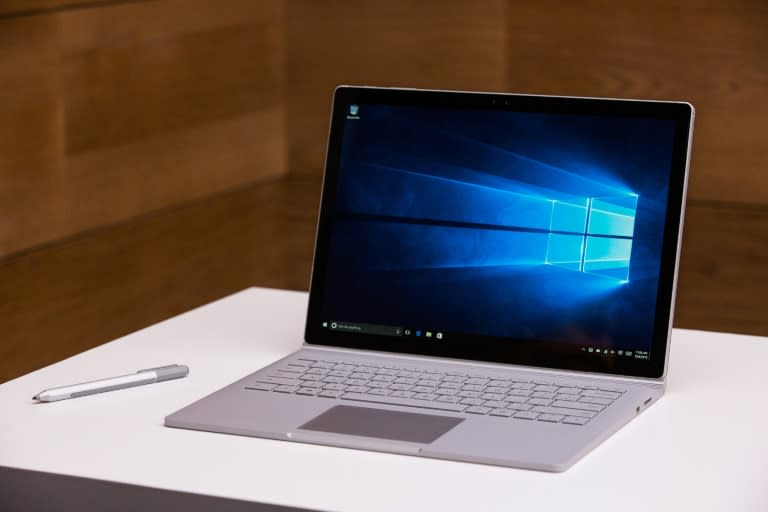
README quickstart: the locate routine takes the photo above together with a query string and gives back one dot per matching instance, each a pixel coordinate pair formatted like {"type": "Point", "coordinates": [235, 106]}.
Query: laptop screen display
{"type": "Point", "coordinates": [513, 231]}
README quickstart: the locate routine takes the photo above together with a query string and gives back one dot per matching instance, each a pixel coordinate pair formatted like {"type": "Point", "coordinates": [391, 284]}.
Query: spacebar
{"type": "Point", "coordinates": [407, 402]}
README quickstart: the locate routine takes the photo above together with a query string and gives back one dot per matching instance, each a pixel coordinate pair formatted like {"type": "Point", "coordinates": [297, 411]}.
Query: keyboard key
{"type": "Point", "coordinates": [317, 371]}
{"type": "Point", "coordinates": [360, 375]}
{"type": "Point", "coordinates": [492, 396]}
{"type": "Point", "coordinates": [575, 420]}
{"type": "Point", "coordinates": [335, 387]}
{"type": "Point", "coordinates": [450, 385]}
{"type": "Point", "coordinates": [285, 389]}
{"type": "Point", "coordinates": [560, 410]}
{"type": "Point", "coordinates": [602, 394]}
{"type": "Point", "coordinates": [569, 391]}
{"type": "Point", "coordinates": [406, 402]}
{"type": "Point", "coordinates": [329, 393]}
{"type": "Point", "coordinates": [307, 391]}
{"type": "Point", "coordinates": [259, 386]}
{"type": "Point", "coordinates": [402, 394]}
{"type": "Point", "coordinates": [405, 380]}
{"type": "Point", "coordinates": [355, 382]}
{"type": "Point", "coordinates": [478, 410]}
{"type": "Point", "coordinates": [283, 374]}
{"type": "Point", "coordinates": [576, 405]}
{"type": "Point", "coordinates": [542, 394]}
{"type": "Point", "coordinates": [444, 391]}
{"type": "Point", "coordinates": [358, 389]}
{"type": "Point", "coordinates": [497, 404]}
{"type": "Point", "coordinates": [334, 380]}
{"type": "Point", "coordinates": [322, 364]}
{"type": "Point", "coordinates": [311, 376]}
{"type": "Point", "coordinates": [547, 388]}
{"type": "Point", "coordinates": [425, 396]}
{"type": "Point", "coordinates": [527, 415]}
{"type": "Point", "coordinates": [344, 367]}
{"type": "Point", "coordinates": [551, 418]}
{"type": "Point", "coordinates": [593, 400]}
{"type": "Point", "coordinates": [382, 378]}
{"type": "Point", "coordinates": [387, 371]}
{"type": "Point", "coordinates": [340, 373]}
{"type": "Point", "coordinates": [519, 407]}
{"type": "Point", "coordinates": [472, 401]}
{"type": "Point", "coordinates": [477, 380]}
{"type": "Point", "coordinates": [496, 389]}
{"type": "Point", "coordinates": [472, 387]}
{"type": "Point", "coordinates": [312, 384]}
{"type": "Point", "coordinates": [449, 399]}
{"type": "Point", "coordinates": [379, 392]}
{"type": "Point", "coordinates": [400, 387]}
{"type": "Point", "coordinates": [539, 401]}
{"type": "Point", "coordinates": [519, 392]}
{"type": "Point", "coordinates": [515, 399]}
{"type": "Point", "coordinates": [407, 373]}
{"type": "Point", "coordinates": [522, 385]}
{"type": "Point", "coordinates": [423, 389]}
{"type": "Point", "coordinates": [278, 381]}
{"type": "Point", "coordinates": [502, 412]}
{"type": "Point", "coordinates": [499, 383]}
{"type": "Point", "coordinates": [377, 384]}
{"type": "Point", "coordinates": [470, 394]}
{"type": "Point", "coordinates": [454, 378]}
{"type": "Point", "coordinates": [569, 398]}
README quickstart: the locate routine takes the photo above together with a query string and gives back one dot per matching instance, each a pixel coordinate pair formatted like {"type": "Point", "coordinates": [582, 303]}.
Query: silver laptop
{"type": "Point", "coordinates": [493, 281]}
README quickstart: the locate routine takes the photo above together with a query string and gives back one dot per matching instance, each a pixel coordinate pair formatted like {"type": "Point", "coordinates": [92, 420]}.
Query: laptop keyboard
{"type": "Point", "coordinates": [451, 391]}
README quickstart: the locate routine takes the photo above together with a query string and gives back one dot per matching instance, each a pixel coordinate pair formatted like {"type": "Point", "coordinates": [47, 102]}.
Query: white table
{"type": "Point", "coordinates": [704, 446]}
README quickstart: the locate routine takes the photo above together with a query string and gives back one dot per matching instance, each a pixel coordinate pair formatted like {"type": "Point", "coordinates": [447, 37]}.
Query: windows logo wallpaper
{"type": "Point", "coordinates": [512, 224]}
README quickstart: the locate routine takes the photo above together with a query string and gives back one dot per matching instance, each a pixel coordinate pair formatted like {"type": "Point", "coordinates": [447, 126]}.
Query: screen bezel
{"type": "Point", "coordinates": [532, 353]}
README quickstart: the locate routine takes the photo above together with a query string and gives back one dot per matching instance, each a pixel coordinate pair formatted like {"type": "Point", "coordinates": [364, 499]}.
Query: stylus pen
{"type": "Point", "coordinates": [150, 376]}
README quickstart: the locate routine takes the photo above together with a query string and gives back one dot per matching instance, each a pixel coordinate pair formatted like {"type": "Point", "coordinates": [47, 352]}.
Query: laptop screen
{"type": "Point", "coordinates": [532, 235]}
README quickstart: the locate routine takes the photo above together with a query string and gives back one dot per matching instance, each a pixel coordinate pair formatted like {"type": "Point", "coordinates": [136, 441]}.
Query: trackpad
{"type": "Point", "coordinates": [381, 423]}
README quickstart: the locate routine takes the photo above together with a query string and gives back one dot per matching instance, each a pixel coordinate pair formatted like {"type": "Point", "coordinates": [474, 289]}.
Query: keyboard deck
{"type": "Point", "coordinates": [453, 391]}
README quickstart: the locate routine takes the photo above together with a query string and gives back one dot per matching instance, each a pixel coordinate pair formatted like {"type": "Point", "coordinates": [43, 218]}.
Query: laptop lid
{"type": "Point", "coordinates": [530, 230]}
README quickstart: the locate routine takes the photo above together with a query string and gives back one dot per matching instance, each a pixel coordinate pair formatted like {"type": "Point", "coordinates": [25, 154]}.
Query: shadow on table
{"type": "Point", "coordinates": [22, 490]}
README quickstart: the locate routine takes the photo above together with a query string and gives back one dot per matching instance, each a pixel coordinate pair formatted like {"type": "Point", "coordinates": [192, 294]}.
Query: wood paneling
{"type": "Point", "coordinates": [709, 53]}
{"type": "Point", "coordinates": [9, 8]}
{"type": "Point", "coordinates": [439, 44]}
{"type": "Point", "coordinates": [61, 300]}
{"type": "Point", "coordinates": [723, 281]}
{"type": "Point", "coordinates": [112, 112]}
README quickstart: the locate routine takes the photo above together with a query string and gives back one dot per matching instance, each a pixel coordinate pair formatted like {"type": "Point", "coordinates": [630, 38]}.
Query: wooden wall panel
{"type": "Point", "coordinates": [710, 53]}
{"type": "Point", "coordinates": [112, 112]}
{"type": "Point", "coordinates": [10, 8]}
{"type": "Point", "coordinates": [723, 282]}
{"type": "Point", "coordinates": [445, 44]}
{"type": "Point", "coordinates": [71, 296]}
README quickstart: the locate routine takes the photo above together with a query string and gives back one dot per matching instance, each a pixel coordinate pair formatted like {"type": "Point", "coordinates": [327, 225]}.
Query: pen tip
{"type": "Point", "coordinates": [35, 397]}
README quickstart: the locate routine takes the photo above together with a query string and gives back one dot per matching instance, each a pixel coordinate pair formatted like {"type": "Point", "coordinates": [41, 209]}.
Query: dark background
{"type": "Point", "coordinates": [156, 155]}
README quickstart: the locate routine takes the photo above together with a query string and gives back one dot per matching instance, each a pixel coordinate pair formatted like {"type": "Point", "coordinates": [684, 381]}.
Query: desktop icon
{"type": "Point", "coordinates": [439, 335]}
{"type": "Point", "coordinates": [591, 349]}
{"type": "Point", "coordinates": [621, 352]}
{"type": "Point", "coordinates": [407, 332]}
{"type": "Point", "coordinates": [325, 324]}
{"type": "Point", "coordinates": [429, 334]}
{"type": "Point", "coordinates": [353, 109]}
{"type": "Point", "coordinates": [418, 333]}
{"type": "Point", "coordinates": [333, 325]}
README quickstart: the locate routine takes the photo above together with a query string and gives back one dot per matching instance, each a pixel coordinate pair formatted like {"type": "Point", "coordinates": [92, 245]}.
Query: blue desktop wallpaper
{"type": "Point", "coordinates": [511, 224]}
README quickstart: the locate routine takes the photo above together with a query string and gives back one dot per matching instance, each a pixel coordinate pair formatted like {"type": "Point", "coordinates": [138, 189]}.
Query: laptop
{"type": "Point", "coordinates": [493, 282]}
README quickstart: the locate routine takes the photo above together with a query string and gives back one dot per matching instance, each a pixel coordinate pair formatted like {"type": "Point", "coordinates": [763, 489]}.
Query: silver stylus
{"type": "Point", "coordinates": [150, 376]}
